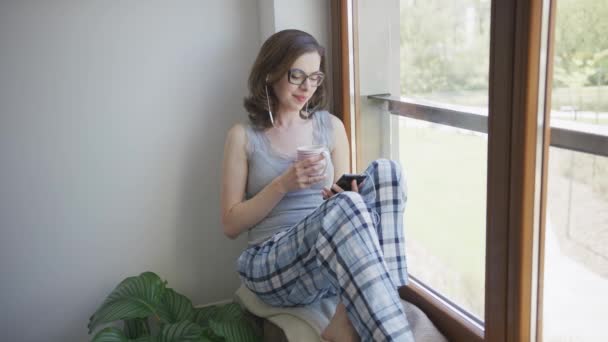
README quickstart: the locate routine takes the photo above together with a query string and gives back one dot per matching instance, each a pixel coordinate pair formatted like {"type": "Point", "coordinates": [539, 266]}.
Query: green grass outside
{"type": "Point", "coordinates": [445, 214]}
{"type": "Point", "coordinates": [446, 209]}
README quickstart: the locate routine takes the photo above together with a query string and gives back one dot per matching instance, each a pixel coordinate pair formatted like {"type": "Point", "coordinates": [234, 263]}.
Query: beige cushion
{"type": "Point", "coordinates": [305, 324]}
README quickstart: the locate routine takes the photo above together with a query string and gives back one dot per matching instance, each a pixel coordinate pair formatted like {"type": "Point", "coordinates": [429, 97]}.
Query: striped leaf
{"type": "Point", "coordinates": [175, 308]}
{"type": "Point", "coordinates": [231, 324]}
{"type": "Point", "coordinates": [180, 332]}
{"type": "Point", "coordinates": [134, 297]}
{"type": "Point", "coordinates": [144, 339]}
{"type": "Point", "coordinates": [204, 314]}
{"type": "Point", "coordinates": [235, 331]}
{"type": "Point", "coordinates": [110, 335]}
{"type": "Point", "coordinates": [209, 336]}
{"type": "Point", "coordinates": [228, 312]}
{"type": "Point", "coordinates": [136, 327]}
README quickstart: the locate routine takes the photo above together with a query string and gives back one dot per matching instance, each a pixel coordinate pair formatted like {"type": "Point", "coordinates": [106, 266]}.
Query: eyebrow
{"type": "Point", "coordinates": [310, 73]}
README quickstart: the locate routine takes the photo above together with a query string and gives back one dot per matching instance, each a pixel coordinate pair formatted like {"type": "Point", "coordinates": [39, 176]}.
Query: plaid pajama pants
{"type": "Point", "coordinates": [353, 246]}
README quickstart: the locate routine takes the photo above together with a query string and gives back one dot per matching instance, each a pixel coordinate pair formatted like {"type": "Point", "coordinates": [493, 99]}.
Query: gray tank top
{"type": "Point", "coordinates": [265, 164]}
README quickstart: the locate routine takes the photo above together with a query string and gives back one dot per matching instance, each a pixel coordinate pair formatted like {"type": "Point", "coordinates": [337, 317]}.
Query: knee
{"type": "Point", "coordinates": [350, 205]}
{"type": "Point", "coordinates": [387, 165]}
{"type": "Point", "coordinates": [387, 168]}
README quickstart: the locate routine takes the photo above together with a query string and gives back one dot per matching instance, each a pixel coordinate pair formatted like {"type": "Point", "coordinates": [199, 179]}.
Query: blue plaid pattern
{"type": "Point", "coordinates": [353, 246]}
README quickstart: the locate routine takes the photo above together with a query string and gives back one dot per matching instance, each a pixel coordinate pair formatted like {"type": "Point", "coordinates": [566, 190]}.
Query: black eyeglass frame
{"type": "Point", "coordinates": [314, 83]}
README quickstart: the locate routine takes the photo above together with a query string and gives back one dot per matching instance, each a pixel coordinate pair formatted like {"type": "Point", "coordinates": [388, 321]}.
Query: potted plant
{"type": "Point", "coordinates": [152, 312]}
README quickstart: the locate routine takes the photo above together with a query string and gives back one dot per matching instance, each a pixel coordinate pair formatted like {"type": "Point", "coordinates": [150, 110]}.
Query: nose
{"type": "Point", "coordinates": [306, 84]}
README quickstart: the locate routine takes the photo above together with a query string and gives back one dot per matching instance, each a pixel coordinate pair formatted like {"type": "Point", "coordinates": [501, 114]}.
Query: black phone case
{"type": "Point", "coordinates": [346, 179]}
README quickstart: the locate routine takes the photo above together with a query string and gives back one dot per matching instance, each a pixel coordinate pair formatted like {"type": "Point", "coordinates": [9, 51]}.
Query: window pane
{"type": "Point", "coordinates": [575, 302]}
{"type": "Point", "coordinates": [446, 214]}
{"type": "Point", "coordinates": [576, 248]}
{"type": "Point", "coordinates": [445, 50]}
{"type": "Point", "coordinates": [436, 51]}
{"type": "Point", "coordinates": [444, 59]}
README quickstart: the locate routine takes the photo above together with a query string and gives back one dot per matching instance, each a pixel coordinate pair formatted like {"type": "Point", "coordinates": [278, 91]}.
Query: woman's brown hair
{"type": "Point", "coordinates": [277, 55]}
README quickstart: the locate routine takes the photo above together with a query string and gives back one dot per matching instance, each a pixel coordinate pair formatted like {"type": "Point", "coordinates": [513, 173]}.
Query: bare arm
{"type": "Point", "coordinates": [239, 215]}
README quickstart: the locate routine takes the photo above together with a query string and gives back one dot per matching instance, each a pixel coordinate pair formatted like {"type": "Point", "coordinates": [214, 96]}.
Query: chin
{"type": "Point", "coordinates": [297, 108]}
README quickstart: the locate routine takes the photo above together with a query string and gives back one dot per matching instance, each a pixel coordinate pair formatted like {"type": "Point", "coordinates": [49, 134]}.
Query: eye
{"type": "Point", "coordinates": [297, 75]}
{"type": "Point", "coordinates": [316, 77]}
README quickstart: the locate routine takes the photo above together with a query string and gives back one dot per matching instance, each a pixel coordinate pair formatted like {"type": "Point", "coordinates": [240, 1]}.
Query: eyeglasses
{"type": "Point", "coordinates": [298, 77]}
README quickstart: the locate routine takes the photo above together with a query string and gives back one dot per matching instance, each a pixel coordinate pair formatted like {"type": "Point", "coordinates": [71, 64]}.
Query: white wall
{"type": "Point", "coordinates": [312, 16]}
{"type": "Point", "coordinates": [112, 122]}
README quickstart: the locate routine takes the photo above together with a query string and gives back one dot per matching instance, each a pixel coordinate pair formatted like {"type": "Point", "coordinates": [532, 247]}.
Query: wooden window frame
{"type": "Point", "coordinates": [513, 134]}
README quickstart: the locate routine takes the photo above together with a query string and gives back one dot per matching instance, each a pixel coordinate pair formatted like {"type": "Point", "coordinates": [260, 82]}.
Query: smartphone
{"type": "Point", "coordinates": [345, 181]}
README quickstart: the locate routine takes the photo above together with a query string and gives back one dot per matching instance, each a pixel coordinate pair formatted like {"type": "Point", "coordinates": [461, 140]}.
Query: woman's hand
{"type": "Point", "coordinates": [327, 193]}
{"type": "Point", "coordinates": [302, 174]}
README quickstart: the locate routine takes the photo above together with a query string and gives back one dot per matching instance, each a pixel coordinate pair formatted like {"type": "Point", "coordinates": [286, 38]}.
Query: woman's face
{"type": "Point", "coordinates": [293, 97]}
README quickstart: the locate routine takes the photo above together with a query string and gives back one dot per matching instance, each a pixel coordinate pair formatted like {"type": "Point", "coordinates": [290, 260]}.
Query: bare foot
{"type": "Point", "coordinates": [340, 329]}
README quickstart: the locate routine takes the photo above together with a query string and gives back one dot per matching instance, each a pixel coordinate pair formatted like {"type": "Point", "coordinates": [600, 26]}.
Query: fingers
{"type": "Point", "coordinates": [317, 158]}
{"type": "Point", "coordinates": [312, 161]}
{"type": "Point", "coordinates": [326, 193]}
{"type": "Point", "coordinates": [315, 179]}
{"type": "Point", "coordinates": [308, 167]}
{"type": "Point", "coordinates": [354, 186]}
{"type": "Point", "coordinates": [306, 181]}
{"type": "Point", "coordinates": [308, 171]}
{"type": "Point", "coordinates": [336, 189]}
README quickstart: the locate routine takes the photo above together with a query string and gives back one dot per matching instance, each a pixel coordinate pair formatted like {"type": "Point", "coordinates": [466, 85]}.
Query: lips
{"type": "Point", "coordinates": [301, 99]}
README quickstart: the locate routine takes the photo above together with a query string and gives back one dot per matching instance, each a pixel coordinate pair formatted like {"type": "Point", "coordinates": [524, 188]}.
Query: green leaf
{"type": "Point", "coordinates": [110, 334]}
{"type": "Point", "coordinates": [231, 311]}
{"type": "Point", "coordinates": [235, 331]}
{"type": "Point", "coordinates": [134, 297]}
{"type": "Point", "coordinates": [144, 339]}
{"type": "Point", "coordinates": [209, 336]}
{"type": "Point", "coordinates": [202, 315]}
{"type": "Point", "coordinates": [180, 332]}
{"type": "Point", "coordinates": [231, 324]}
{"type": "Point", "coordinates": [207, 339]}
{"type": "Point", "coordinates": [175, 307]}
{"type": "Point", "coordinates": [136, 327]}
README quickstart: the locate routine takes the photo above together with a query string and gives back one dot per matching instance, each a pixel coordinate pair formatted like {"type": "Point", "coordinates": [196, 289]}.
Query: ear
{"type": "Point", "coordinates": [267, 76]}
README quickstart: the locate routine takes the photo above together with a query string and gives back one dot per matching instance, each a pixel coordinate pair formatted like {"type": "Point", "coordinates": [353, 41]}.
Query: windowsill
{"type": "Point", "coordinates": [571, 135]}
{"type": "Point", "coordinates": [454, 325]}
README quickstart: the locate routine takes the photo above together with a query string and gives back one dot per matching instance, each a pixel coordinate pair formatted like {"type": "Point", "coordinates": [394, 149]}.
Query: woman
{"type": "Point", "coordinates": [305, 241]}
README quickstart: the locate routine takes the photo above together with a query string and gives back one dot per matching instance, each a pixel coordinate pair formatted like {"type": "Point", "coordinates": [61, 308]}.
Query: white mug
{"type": "Point", "coordinates": [304, 152]}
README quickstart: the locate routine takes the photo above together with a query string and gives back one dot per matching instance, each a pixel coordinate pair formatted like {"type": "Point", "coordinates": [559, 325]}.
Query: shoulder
{"type": "Point", "coordinates": [330, 120]}
{"type": "Point", "coordinates": [339, 135]}
{"type": "Point", "coordinates": [336, 123]}
{"type": "Point", "coordinates": [237, 131]}
{"type": "Point", "coordinates": [237, 135]}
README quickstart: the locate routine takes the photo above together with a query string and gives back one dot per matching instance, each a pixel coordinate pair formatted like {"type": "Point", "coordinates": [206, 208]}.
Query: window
{"type": "Point", "coordinates": [432, 58]}
{"type": "Point", "coordinates": [444, 57]}
{"type": "Point", "coordinates": [576, 233]}
{"type": "Point", "coordinates": [406, 100]}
